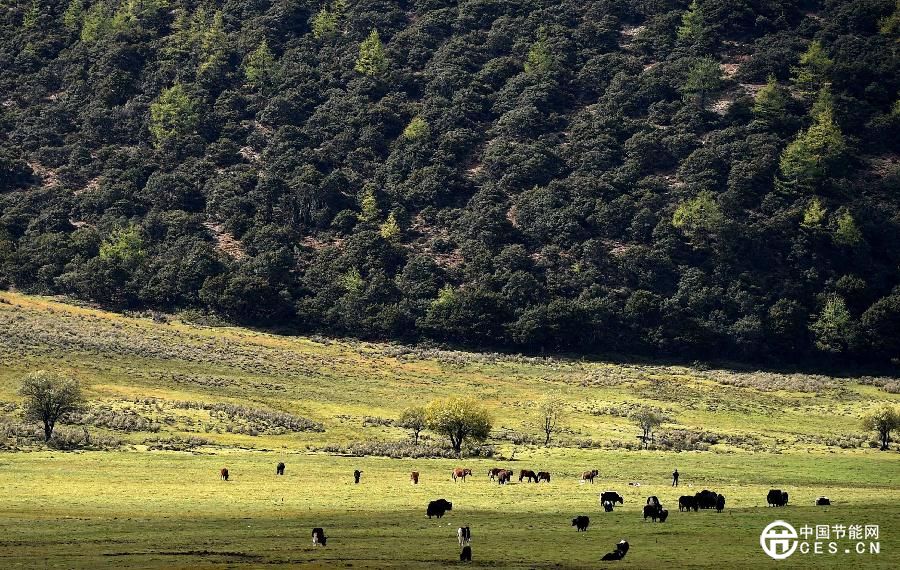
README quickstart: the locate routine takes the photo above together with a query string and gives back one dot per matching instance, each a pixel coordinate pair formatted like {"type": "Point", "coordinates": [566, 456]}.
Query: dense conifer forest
{"type": "Point", "coordinates": [717, 178]}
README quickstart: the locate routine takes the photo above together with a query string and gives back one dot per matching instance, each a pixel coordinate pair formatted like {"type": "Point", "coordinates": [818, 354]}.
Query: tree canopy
{"type": "Point", "coordinates": [692, 179]}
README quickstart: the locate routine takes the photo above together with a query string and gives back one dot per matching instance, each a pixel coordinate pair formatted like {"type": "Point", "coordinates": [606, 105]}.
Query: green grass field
{"type": "Point", "coordinates": [133, 507]}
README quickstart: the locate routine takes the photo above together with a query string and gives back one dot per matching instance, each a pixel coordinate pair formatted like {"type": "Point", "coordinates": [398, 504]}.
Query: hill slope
{"type": "Point", "coordinates": [656, 177]}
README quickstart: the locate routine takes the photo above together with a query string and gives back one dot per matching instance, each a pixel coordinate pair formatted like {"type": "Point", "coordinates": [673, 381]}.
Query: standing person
{"type": "Point", "coordinates": [675, 478]}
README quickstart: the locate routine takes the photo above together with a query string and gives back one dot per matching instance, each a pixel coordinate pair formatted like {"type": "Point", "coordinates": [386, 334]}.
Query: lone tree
{"type": "Point", "coordinates": [413, 419]}
{"type": "Point", "coordinates": [50, 398]}
{"type": "Point", "coordinates": [458, 419]}
{"type": "Point", "coordinates": [884, 420]}
{"type": "Point", "coordinates": [551, 412]}
{"type": "Point", "coordinates": [648, 419]}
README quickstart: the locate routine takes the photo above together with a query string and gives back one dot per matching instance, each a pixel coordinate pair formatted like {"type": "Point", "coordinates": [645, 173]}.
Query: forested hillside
{"type": "Point", "coordinates": [719, 178]}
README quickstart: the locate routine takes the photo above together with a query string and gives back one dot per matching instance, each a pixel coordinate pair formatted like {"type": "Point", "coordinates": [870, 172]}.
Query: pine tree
{"type": "Point", "coordinates": [371, 60]}
{"type": "Point", "coordinates": [834, 327]}
{"type": "Point", "coordinates": [846, 231]}
{"type": "Point", "coordinates": [96, 24]}
{"type": "Point", "coordinates": [704, 76]}
{"type": "Point", "coordinates": [771, 103]}
{"type": "Point", "coordinates": [259, 66]}
{"type": "Point", "coordinates": [540, 58]}
{"type": "Point", "coordinates": [691, 29]}
{"type": "Point", "coordinates": [173, 114]}
{"type": "Point", "coordinates": [73, 15]}
{"type": "Point", "coordinates": [390, 229]}
{"type": "Point", "coordinates": [31, 16]}
{"type": "Point", "coordinates": [416, 129]}
{"type": "Point", "coordinates": [324, 23]}
{"type": "Point", "coordinates": [815, 151]}
{"type": "Point", "coordinates": [812, 73]}
{"type": "Point", "coordinates": [213, 45]}
{"type": "Point", "coordinates": [369, 207]}
{"type": "Point", "coordinates": [814, 214]}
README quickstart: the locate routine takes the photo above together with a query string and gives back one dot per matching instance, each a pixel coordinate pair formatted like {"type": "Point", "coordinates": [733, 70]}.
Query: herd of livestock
{"type": "Point", "coordinates": [653, 510]}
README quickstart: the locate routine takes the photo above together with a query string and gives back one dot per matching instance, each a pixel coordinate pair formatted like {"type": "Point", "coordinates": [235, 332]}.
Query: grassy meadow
{"type": "Point", "coordinates": [153, 497]}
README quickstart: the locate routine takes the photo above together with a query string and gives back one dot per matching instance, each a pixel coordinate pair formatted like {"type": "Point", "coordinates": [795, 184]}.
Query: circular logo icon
{"type": "Point", "coordinates": [778, 540]}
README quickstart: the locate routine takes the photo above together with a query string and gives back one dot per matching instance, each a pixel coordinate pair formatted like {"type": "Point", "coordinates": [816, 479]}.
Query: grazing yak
{"type": "Point", "coordinates": [706, 499]}
{"type": "Point", "coordinates": [504, 476]}
{"type": "Point", "coordinates": [581, 523]}
{"type": "Point", "coordinates": [279, 469]}
{"type": "Point", "coordinates": [655, 512]}
{"type": "Point", "coordinates": [356, 475]}
{"type": "Point", "coordinates": [438, 508]}
{"type": "Point", "coordinates": [460, 473]}
{"type": "Point", "coordinates": [823, 502]}
{"type": "Point", "coordinates": [494, 471]}
{"type": "Point", "coordinates": [619, 553]}
{"type": "Point", "coordinates": [528, 474]}
{"type": "Point", "coordinates": [464, 535]}
{"type": "Point", "coordinates": [543, 476]}
{"type": "Point", "coordinates": [414, 477]}
{"type": "Point", "coordinates": [223, 473]}
{"type": "Point", "coordinates": [589, 476]}
{"type": "Point", "coordinates": [318, 536]}
{"type": "Point", "coordinates": [612, 497]}
{"type": "Point", "coordinates": [466, 554]}
{"type": "Point", "coordinates": [720, 503]}
{"type": "Point", "coordinates": [607, 506]}
{"type": "Point", "coordinates": [777, 498]}
{"type": "Point", "coordinates": [687, 502]}
{"type": "Point", "coordinates": [654, 501]}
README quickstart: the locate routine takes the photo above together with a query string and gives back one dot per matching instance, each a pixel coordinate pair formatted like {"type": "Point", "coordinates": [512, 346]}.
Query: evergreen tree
{"type": "Point", "coordinates": [846, 231]}
{"type": "Point", "coordinates": [812, 154]}
{"type": "Point", "coordinates": [31, 15]}
{"type": "Point", "coordinates": [369, 206]}
{"type": "Point", "coordinates": [73, 15]}
{"type": "Point", "coordinates": [259, 66]}
{"type": "Point", "coordinates": [390, 229]}
{"type": "Point", "coordinates": [539, 59]}
{"type": "Point", "coordinates": [324, 24]}
{"type": "Point", "coordinates": [213, 46]}
{"type": "Point", "coordinates": [699, 216]}
{"type": "Point", "coordinates": [416, 129]}
{"type": "Point", "coordinates": [96, 23]}
{"type": "Point", "coordinates": [691, 29]}
{"type": "Point", "coordinates": [812, 73]}
{"type": "Point", "coordinates": [833, 328]}
{"type": "Point", "coordinates": [771, 103]}
{"type": "Point", "coordinates": [814, 214]}
{"type": "Point", "coordinates": [372, 60]}
{"type": "Point", "coordinates": [173, 114]}
{"type": "Point", "coordinates": [704, 77]}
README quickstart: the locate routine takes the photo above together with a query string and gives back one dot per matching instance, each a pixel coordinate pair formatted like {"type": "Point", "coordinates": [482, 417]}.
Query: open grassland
{"type": "Point", "coordinates": [246, 397]}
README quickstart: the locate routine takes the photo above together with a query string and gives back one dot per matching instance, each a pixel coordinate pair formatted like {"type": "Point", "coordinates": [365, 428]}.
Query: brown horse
{"type": "Point", "coordinates": [224, 474]}
{"type": "Point", "coordinates": [414, 477]}
{"type": "Point", "coordinates": [543, 476]}
{"type": "Point", "coordinates": [503, 476]}
{"type": "Point", "coordinates": [528, 474]}
{"type": "Point", "coordinates": [460, 473]}
{"type": "Point", "coordinates": [494, 471]}
{"type": "Point", "coordinates": [589, 475]}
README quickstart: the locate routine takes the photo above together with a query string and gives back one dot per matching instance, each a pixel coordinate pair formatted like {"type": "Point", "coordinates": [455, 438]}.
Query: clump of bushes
{"type": "Point", "coordinates": [405, 449]}
{"type": "Point", "coordinates": [119, 420]}
{"type": "Point", "coordinates": [685, 440]}
{"type": "Point", "coordinates": [261, 421]}
{"type": "Point", "coordinates": [375, 421]}
{"type": "Point", "coordinates": [67, 439]}
{"type": "Point", "coordinates": [176, 443]}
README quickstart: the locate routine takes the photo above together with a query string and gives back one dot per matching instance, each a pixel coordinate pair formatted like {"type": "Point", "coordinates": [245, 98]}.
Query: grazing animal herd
{"type": "Point", "coordinates": [653, 510]}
